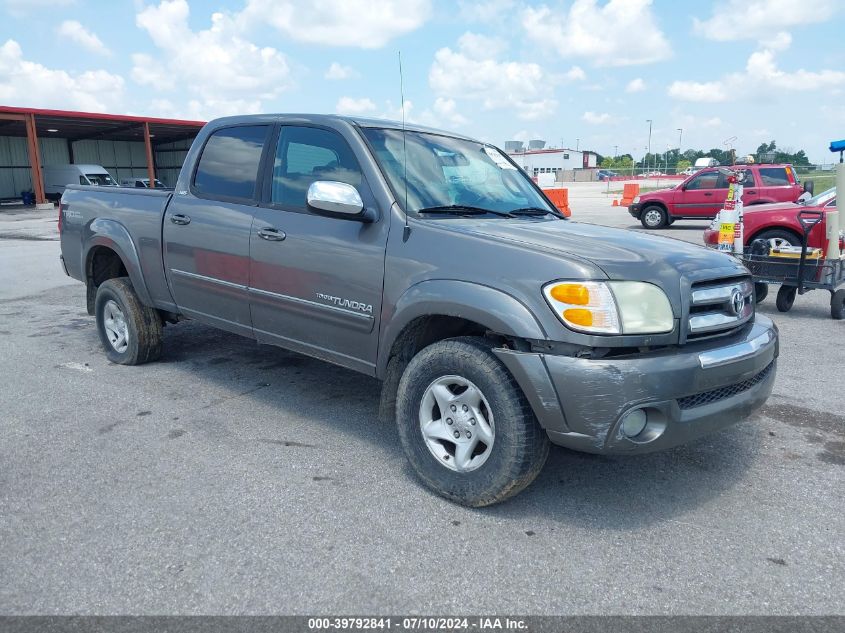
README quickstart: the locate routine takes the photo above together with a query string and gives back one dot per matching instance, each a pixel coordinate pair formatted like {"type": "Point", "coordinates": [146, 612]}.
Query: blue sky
{"type": "Point", "coordinates": [585, 72]}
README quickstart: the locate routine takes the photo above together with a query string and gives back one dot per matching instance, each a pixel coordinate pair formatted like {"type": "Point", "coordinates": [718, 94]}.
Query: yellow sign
{"type": "Point", "coordinates": [726, 233]}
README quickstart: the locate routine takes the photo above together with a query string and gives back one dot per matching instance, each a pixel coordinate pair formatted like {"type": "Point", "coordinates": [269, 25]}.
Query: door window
{"type": "Point", "coordinates": [305, 155]}
{"type": "Point", "coordinates": [705, 180]}
{"type": "Point", "coordinates": [228, 166]}
{"type": "Point", "coordinates": [774, 177]}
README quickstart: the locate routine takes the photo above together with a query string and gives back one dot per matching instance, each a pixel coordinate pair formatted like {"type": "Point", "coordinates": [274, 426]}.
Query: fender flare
{"type": "Point", "coordinates": [113, 235]}
{"type": "Point", "coordinates": [494, 309]}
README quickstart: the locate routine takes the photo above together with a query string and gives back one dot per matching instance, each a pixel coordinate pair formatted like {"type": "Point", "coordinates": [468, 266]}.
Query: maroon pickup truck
{"type": "Point", "coordinates": [702, 195]}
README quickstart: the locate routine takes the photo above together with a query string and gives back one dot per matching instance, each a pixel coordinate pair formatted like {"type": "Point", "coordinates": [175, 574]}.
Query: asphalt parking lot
{"type": "Point", "coordinates": [235, 478]}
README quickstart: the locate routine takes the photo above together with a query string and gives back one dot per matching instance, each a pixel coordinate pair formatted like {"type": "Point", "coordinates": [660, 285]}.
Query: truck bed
{"type": "Point", "coordinates": [131, 217]}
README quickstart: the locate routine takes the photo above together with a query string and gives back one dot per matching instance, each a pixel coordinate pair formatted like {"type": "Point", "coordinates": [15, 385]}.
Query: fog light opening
{"type": "Point", "coordinates": [634, 423]}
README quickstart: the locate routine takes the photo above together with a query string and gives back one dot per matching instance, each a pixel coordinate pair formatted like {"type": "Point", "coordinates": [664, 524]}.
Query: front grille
{"type": "Point", "coordinates": [719, 307]}
{"type": "Point", "coordinates": [714, 395]}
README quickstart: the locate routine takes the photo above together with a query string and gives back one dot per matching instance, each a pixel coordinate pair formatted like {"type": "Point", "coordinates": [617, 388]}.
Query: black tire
{"type": "Point", "coordinates": [671, 220]}
{"type": "Point", "coordinates": [786, 297]}
{"type": "Point", "coordinates": [778, 234]}
{"type": "Point", "coordinates": [649, 214]}
{"type": "Point", "coordinates": [761, 291]}
{"type": "Point", "coordinates": [519, 448]}
{"type": "Point", "coordinates": [837, 305]}
{"type": "Point", "coordinates": [142, 324]}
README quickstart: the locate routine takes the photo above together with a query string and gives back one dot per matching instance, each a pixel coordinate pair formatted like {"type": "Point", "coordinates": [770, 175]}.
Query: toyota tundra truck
{"type": "Point", "coordinates": [430, 261]}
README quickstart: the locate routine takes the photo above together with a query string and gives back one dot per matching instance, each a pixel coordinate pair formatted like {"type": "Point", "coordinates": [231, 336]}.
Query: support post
{"type": "Point", "coordinates": [151, 174]}
{"type": "Point", "coordinates": [35, 159]}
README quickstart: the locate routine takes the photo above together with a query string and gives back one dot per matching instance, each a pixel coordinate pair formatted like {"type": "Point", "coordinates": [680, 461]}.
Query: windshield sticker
{"type": "Point", "coordinates": [496, 156]}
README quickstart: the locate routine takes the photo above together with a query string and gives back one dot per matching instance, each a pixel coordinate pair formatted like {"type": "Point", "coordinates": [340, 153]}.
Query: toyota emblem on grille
{"type": "Point", "coordinates": [737, 302]}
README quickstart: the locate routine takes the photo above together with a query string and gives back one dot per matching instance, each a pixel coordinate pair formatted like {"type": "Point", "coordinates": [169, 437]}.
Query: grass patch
{"type": "Point", "coordinates": [822, 181]}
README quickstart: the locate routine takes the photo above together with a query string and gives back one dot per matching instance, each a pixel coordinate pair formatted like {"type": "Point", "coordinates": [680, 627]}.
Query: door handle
{"type": "Point", "coordinates": [749, 191]}
{"type": "Point", "coordinates": [271, 234]}
{"type": "Point", "coordinates": [707, 194]}
{"type": "Point", "coordinates": [180, 218]}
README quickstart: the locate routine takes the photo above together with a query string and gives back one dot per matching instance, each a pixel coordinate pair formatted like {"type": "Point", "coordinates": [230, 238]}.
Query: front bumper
{"type": "Point", "coordinates": [635, 210]}
{"type": "Point", "coordinates": [687, 392]}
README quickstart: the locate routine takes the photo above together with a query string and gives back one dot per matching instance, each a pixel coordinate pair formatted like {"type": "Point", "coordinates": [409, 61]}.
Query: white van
{"type": "Point", "coordinates": [57, 177]}
{"type": "Point", "coordinates": [702, 163]}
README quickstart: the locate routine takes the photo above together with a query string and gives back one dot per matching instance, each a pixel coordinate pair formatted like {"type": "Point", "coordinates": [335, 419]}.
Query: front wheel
{"type": "Point", "coordinates": [129, 331]}
{"type": "Point", "coordinates": [785, 298]}
{"type": "Point", "coordinates": [465, 425]}
{"type": "Point", "coordinates": [837, 305]}
{"type": "Point", "coordinates": [653, 217]}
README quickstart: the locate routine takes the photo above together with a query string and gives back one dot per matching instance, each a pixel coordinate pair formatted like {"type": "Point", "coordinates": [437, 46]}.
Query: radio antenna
{"type": "Point", "coordinates": [407, 230]}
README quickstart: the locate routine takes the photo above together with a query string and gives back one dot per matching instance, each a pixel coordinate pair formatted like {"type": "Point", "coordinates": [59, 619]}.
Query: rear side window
{"type": "Point", "coordinates": [774, 176]}
{"type": "Point", "coordinates": [306, 154]}
{"type": "Point", "coordinates": [228, 166]}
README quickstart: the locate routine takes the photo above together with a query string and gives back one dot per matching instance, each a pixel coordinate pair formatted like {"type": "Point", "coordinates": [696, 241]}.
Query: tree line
{"type": "Point", "coordinates": [675, 160]}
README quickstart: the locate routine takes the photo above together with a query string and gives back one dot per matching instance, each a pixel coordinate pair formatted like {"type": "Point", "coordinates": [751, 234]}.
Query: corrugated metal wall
{"type": "Point", "coordinates": [169, 158]}
{"type": "Point", "coordinates": [122, 159]}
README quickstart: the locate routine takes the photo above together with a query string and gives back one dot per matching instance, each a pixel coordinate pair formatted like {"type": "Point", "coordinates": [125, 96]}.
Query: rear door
{"type": "Point", "coordinates": [703, 195]}
{"type": "Point", "coordinates": [750, 188]}
{"type": "Point", "coordinates": [206, 231]}
{"type": "Point", "coordinates": [316, 282]}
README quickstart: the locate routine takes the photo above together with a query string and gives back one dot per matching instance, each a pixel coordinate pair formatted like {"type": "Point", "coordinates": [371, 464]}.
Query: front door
{"type": "Point", "coordinates": [315, 281]}
{"type": "Point", "coordinates": [703, 195]}
{"type": "Point", "coordinates": [207, 230]}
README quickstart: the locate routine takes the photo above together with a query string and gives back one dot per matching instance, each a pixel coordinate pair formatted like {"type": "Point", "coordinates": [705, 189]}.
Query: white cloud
{"type": "Point", "coordinates": [27, 83]}
{"type": "Point", "coordinates": [446, 110]}
{"type": "Point", "coordinates": [758, 19]}
{"type": "Point", "coordinates": [358, 23]}
{"type": "Point", "coordinates": [761, 79]}
{"type": "Point", "coordinates": [703, 91]}
{"type": "Point", "coordinates": [596, 118]}
{"type": "Point", "coordinates": [576, 73]}
{"type": "Point", "coordinates": [469, 73]}
{"type": "Point", "coordinates": [74, 31]}
{"type": "Point", "coordinates": [481, 46]}
{"type": "Point", "coordinates": [217, 66]}
{"type": "Point", "coordinates": [635, 85]}
{"type": "Point", "coordinates": [484, 11]}
{"type": "Point", "coordinates": [779, 42]}
{"type": "Point", "coordinates": [619, 33]}
{"type": "Point", "coordinates": [352, 106]}
{"type": "Point", "coordinates": [339, 71]}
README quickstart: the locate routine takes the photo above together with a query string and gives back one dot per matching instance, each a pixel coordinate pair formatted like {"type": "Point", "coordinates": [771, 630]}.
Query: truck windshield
{"type": "Point", "coordinates": [100, 179]}
{"type": "Point", "coordinates": [822, 199]}
{"type": "Point", "coordinates": [448, 174]}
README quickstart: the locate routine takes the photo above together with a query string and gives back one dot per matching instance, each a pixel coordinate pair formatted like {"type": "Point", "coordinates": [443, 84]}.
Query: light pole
{"type": "Point", "coordinates": [680, 136]}
{"type": "Point", "coordinates": [615, 152]}
{"type": "Point", "coordinates": [649, 121]}
{"type": "Point", "coordinates": [577, 140]}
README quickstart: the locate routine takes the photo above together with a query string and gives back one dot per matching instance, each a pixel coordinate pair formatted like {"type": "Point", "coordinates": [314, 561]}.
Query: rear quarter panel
{"type": "Point", "coordinates": [126, 220]}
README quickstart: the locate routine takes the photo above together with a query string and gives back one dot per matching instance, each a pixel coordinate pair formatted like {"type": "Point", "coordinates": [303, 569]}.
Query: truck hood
{"type": "Point", "coordinates": [621, 254]}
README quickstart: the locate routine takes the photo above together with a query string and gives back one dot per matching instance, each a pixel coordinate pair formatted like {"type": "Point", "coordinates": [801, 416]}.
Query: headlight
{"type": "Point", "coordinates": [636, 200]}
{"type": "Point", "coordinates": [613, 307]}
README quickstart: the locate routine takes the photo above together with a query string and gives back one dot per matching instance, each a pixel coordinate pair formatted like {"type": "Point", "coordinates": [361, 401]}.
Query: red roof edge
{"type": "Point", "coordinates": [99, 115]}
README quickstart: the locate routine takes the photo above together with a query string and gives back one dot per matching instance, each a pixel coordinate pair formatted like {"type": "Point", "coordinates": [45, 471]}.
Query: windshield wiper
{"type": "Point", "coordinates": [463, 209]}
{"type": "Point", "coordinates": [535, 211]}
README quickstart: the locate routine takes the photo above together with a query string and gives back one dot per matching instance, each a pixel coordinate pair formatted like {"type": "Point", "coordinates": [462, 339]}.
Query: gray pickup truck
{"type": "Point", "coordinates": [430, 261]}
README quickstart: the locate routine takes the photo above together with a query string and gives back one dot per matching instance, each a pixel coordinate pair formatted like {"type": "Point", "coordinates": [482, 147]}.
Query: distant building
{"type": "Point", "coordinates": [553, 160]}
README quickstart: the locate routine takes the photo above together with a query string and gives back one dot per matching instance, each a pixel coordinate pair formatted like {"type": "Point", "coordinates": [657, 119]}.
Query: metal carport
{"type": "Point", "coordinates": [62, 133]}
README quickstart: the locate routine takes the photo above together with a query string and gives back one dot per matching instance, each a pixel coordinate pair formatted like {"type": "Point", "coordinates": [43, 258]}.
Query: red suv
{"type": "Point", "coordinates": [702, 195]}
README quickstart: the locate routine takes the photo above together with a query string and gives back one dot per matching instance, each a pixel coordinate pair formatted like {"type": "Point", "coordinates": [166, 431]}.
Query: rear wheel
{"type": "Point", "coordinates": [761, 291]}
{"type": "Point", "coordinates": [786, 297]}
{"type": "Point", "coordinates": [653, 217]}
{"type": "Point", "coordinates": [837, 305]}
{"type": "Point", "coordinates": [465, 425]}
{"type": "Point", "coordinates": [775, 238]}
{"type": "Point", "coordinates": [129, 331]}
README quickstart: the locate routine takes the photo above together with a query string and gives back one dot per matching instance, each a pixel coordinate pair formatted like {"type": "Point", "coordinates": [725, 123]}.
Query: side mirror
{"type": "Point", "coordinates": [337, 199]}
{"type": "Point", "coordinates": [809, 187]}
